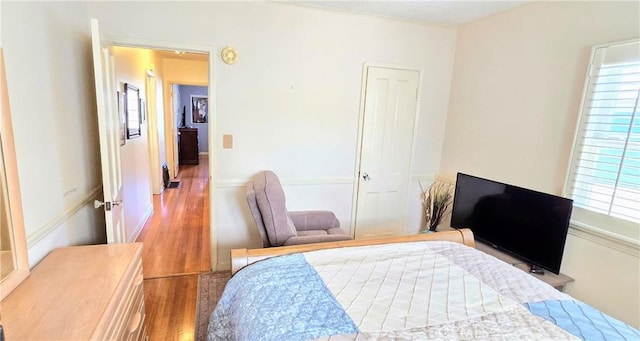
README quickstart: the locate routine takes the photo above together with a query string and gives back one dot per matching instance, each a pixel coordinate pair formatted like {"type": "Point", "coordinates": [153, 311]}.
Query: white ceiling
{"type": "Point", "coordinates": [184, 56]}
{"type": "Point", "coordinates": [448, 13]}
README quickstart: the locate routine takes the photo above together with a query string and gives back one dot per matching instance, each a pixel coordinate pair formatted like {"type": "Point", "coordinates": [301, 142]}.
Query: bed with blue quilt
{"type": "Point", "coordinates": [418, 290]}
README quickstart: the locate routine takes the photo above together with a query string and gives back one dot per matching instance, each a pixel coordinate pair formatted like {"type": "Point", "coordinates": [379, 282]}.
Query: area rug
{"type": "Point", "coordinates": [210, 286]}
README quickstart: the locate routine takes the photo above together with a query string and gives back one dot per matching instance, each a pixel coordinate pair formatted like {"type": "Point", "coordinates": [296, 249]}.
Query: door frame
{"type": "Point", "coordinates": [363, 93]}
{"type": "Point", "coordinates": [152, 134]}
{"type": "Point", "coordinates": [211, 124]}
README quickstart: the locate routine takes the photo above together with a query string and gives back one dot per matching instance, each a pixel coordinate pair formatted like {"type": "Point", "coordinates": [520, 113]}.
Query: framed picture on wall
{"type": "Point", "coordinates": [199, 109]}
{"type": "Point", "coordinates": [143, 111]}
{"type": "Point", "coordinates": [122, 121]}
{"type": "Point", "coordinates": [132, 110]}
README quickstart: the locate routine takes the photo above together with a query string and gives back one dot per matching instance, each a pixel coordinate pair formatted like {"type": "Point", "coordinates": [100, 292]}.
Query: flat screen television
{"type": "Point", "coordinates": [527, 224]}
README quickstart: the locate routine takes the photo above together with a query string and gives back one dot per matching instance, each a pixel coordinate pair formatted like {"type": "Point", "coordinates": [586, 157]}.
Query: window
{"type": "Point", "coordinates": [604, 178]}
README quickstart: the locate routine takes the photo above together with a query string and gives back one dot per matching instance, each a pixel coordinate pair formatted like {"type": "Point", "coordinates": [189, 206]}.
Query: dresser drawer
{"type": "Point", "coordinates": [131, 302]}
{"type": "Point", "coordinates": [143, 336]}
{"type": "Point", "coordinates": [135, 325]}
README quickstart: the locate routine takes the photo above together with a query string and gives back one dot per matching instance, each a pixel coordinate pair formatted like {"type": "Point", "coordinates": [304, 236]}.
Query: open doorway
{"type": "Point", "coordinates": [176, 235]}
{"type": "Point", "coordinates": [160, 105]}
{"type": "Point", "coordinates": [167, 218]}
{"type": "Point", "coordinates": [184, 69]}
{"type": "Point", "coordinates": [191, 114]}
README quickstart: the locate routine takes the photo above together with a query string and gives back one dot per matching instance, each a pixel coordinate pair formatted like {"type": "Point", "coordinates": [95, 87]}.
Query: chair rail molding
{"type": "Point", "coordinates": [59, 219]}
{"type": "Point", "coordinates": [343, 180]}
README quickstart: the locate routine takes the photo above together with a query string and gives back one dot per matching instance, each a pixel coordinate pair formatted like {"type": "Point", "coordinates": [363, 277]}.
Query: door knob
{"type": "Point", "coordinates": [366, 177]}
{"type": "Point", "coordinates": [98, 204]}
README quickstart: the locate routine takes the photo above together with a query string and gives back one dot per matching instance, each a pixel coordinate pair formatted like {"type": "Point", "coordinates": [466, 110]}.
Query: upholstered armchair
{"type": "Point", "coordinates": [279, 227]}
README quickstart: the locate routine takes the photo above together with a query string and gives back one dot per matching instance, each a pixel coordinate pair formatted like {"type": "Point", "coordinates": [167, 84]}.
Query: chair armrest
{"type": "Point", "coordinates": [314, 220]}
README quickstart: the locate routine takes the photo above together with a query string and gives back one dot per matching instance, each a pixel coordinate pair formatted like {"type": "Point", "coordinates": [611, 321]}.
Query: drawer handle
{"type": "Point", "coordinates": [139, 280]}
{"type": "Point", "coordinates": [135, 322]}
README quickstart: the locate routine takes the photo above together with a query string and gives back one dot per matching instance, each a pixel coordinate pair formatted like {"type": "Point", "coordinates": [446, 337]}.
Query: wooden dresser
{"type": "Point", "coordinates": [80, 293]}
{"type": "Point", "coordinates": [188, 146]}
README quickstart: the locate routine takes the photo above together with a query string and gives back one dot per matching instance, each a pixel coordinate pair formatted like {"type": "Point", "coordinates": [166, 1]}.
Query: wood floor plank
{"type": "Point", "coordinates": [175, 250]}
{"type": "Point", "coordinates": [170, 305]}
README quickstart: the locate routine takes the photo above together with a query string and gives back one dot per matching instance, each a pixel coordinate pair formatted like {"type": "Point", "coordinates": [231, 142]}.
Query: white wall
{"type": "Point", "coordinates": [130, 64]}
{"type": "Point", "coordinates": [517, 84]}
{"type": "Point", "coordinates": [292, 100]}
{"type": "Point", "coordinates": [50, 78]}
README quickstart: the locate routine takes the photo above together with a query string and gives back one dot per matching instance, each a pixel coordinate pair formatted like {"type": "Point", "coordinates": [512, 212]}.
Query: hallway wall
{"type": "Point", "coordinates": [130, 64]}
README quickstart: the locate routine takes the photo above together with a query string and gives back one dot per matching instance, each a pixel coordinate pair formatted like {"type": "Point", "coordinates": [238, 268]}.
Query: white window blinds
{"type": "Point", "coordinates": [605, 170]}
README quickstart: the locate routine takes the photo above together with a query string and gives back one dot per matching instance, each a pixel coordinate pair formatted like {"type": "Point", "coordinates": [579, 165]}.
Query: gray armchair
{"type": "Point", "coordinates": [279, 227]}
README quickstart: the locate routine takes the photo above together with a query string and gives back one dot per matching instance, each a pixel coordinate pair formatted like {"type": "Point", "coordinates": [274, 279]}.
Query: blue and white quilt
{"type": "Point", "coordinates": [408, 291]}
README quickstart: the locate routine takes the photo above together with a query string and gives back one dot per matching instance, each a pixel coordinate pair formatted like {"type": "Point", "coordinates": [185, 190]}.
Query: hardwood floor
{"type": "Point", "coordinates": [176, 249]}
{"type": "Point", "coordinates": [170, 305]}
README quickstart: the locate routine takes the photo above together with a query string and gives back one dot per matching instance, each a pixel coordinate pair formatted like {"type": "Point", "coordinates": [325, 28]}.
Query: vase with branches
{"type": "Point", "coordinates": [436, 201]}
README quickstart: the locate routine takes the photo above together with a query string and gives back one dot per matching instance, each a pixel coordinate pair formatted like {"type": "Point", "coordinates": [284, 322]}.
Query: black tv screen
{"type": "Point", "coordinates": [529, 225]}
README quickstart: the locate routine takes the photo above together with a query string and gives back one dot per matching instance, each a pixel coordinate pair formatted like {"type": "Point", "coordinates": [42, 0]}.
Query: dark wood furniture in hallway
{"type": "Point", "coordinates": [176, 249]}
{"type": "Point", "coordinates": [189, 150]}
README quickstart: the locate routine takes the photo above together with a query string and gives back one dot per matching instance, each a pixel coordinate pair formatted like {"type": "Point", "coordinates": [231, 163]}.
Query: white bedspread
{"type": "Point", "coordinates": [434, 290]}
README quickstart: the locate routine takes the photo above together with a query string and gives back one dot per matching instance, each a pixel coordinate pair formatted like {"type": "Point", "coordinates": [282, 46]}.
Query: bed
{"type": "Point", "coordinates": [428, 286]}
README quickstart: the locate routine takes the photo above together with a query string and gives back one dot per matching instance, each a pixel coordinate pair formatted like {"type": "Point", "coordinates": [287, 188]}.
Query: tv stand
{"type": "Point", "coordinates": [557, 281]}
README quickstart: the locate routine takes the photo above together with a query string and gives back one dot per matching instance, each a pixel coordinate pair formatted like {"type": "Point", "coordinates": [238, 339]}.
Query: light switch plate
{"type": "Point", "coordinates": [227, 141]}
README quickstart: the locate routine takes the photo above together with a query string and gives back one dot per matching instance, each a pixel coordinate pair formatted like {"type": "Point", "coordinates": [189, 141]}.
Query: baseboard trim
{"type": "Point", "coordinates": [140, 226]}
{"type": "Point", "coordinates": [59, 219]}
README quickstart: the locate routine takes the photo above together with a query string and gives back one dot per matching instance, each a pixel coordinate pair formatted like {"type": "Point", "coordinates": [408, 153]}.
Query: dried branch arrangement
{"type": "Point", "coordinates": [436, 201]}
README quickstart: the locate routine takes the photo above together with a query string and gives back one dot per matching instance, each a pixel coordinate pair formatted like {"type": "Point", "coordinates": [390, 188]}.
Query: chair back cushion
{"type": "Point", "coordinates": [272, 205]}
{"type": "Point", "coordinates": [255, 212]}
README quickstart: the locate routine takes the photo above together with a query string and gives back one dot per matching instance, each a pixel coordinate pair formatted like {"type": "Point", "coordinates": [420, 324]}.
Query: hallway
{"type": "Point", "coordinates": [176, 249]}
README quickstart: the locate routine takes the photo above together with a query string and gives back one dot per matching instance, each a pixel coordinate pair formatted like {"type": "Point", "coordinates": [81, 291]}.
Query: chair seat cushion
{"type": "Point", "coordinates": [337, 230]}
{"type": "Point", "coordinates": [312, 233]}
{"type": "Point", "coordinates": [297, 240]}
{"type": "Point", "coordinates": [332, 231]}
